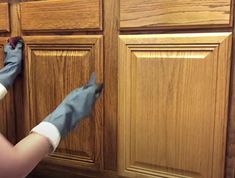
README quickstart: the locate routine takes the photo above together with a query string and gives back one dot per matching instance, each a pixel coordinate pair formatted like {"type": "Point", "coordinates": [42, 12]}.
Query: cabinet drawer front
{"type": "Point", "coordinates": [4, 17]}
{"type": "Point", "coordinates": [60, 15]}
{"type": "Point", "coordinates": [54, 66]}
{"type": "Point", "coordinates": [174, 14]}
{"type": "Point", "coordinates": [172, 104]}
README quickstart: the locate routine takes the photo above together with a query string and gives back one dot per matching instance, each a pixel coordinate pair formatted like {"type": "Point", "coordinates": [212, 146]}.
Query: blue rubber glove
{"type": "Point", "coordinates": [12, 64]}
{"type": "Point", "coordinates": [76, 106]}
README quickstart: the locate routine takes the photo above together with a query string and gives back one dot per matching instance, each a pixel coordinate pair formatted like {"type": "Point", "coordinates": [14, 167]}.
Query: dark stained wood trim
{"type": "Point", "coordinates": [7, 105]}
{"type": "Point", "coordinates": [230, 150]}
{"type": "Point", "coordinates": [111, 22]}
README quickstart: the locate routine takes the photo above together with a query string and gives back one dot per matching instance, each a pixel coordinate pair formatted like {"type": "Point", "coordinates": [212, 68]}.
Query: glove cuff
{"type": "Point", "coordinates": [3, 91]}
{"type": "Point", "coordinates": [49, 131]}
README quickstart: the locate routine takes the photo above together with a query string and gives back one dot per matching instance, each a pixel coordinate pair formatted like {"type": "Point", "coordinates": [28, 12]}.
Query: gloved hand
{"type": "Point", "coordinates": [14, 40]}
{"type": "Point", "coordinates": [76, 106]}
{"type": "Point", "coordinates": [12, 63]}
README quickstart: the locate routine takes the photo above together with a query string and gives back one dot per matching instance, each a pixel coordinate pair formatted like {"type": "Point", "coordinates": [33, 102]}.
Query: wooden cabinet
{"type": "Point", "coordinates": [173, 95]}
{"type": "Point", "coordinates": [141, 14]}
{"type": "Point", "coordinates": [54, 66]}
{"type": "Point", "coordinates": [165, 67]}
{"type": "Point", "coordinates": [59, 57]}
{"type": "Point", "coordinates": [60, 15]}
{"type": "Point", "coordinates": [4, 17]}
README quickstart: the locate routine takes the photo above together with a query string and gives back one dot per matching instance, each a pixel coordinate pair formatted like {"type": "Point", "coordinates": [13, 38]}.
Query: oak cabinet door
{"type": "Point", "coordinates": [172, 103]}
{"type": "Point", "coordinates": [54, 66]}
{"type": "Point", "coordinates": [4, 17]}
{"type": "Point", "coordinates": [142, 14]}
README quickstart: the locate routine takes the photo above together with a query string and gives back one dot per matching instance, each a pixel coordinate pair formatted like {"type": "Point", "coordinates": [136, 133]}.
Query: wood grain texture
{"type": "Point", "coordinates": [60, 15]}
{"type": "Point", "coordinates": [54, 66]}
{"type": "Point", "coordinates": [173, 105]}
{"type": "Point", "coordinates": [111, 20]}
{"type": "Point", "coordinates": [54, 167]}
{"type": "Point", "coordinates": [141, 14]}
{"type": "Point", "coordinates": [7, 120]}
{"type": "Point", "coordinates": [21, 130]}
{"type": "Point", "coordinates": [56, 172]}
{"type": "Point", "coordinates": [4, 17]}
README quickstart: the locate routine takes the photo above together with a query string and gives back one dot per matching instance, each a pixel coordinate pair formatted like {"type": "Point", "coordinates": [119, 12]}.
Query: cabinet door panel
{"type": "Point", "coordinates": [4, 17]}
{"type": "Point", "coordinates": [54, 67]}
{"type": "Point", "coordinates": [172, 104]}
{"type": "Point", "coordinates": [141, 14]}
{"type": "Point", "coordinates": [60, 15]}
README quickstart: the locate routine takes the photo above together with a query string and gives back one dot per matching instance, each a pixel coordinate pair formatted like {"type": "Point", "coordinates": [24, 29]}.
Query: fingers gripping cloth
{"type": "Point", "coordinates": [13, 41]}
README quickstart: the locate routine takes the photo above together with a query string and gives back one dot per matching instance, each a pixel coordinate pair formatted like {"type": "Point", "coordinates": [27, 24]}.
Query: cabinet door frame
{"type": "Point", "coordinates": [93, 43]}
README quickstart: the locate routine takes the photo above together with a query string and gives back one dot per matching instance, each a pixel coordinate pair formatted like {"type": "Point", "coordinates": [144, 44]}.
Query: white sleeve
{"type": "Point", "coordinates": [49, 131]}
{"type": "Point", "coordinates": [3, 91]}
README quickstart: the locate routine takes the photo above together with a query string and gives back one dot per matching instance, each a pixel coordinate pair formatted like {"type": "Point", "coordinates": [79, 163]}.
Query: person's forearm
{"type": "Point", "coordinates": [24, 156]}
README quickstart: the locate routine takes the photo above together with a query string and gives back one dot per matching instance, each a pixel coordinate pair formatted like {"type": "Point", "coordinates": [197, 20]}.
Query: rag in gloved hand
{"type": "Point", "coordinates": [12, 64]}
{"type": "Point", "coordinates": [13, 41]}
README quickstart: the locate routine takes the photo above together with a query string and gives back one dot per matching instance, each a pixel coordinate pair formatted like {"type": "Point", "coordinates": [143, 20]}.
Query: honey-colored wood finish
{"type": "Point", "coordinates": [111, 20]}
{"type": "Point", "coordinates": [54, 66]}
{"type": "Point", "coordinates": [173, 94]}
{"type": "Point", "coordinates": [4, 17]}
{"type": "Point", "coordinates": [54, 32]}
{"type": "Point", "coordinates": [60, 15]}
{"type": "Point", "coordinates": [141, 14]}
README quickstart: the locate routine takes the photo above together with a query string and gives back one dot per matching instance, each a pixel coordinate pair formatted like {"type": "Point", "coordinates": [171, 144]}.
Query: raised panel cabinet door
{"type": "Point", "coordinates": [54, 66]}
{"type": "Point", "coordinates": [7, 122]}
{"type": "Point", "coordinates": [60, 15]}
{"type": "Point", "coordinates": [172, 105]}
{"type": "Point", "coordinates": [4, 17]}
{"type": "Point", "coordinates": [142, 14]}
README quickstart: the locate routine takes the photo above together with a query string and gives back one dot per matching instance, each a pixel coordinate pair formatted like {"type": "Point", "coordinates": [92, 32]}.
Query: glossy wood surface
{"type": "Point", "coordinates": [4, 17]}
{"type": "Point", "coordinates": [173, 95]}
{"type": "Point", "coordinates": [141, 14]}
{"type": "Point", "coordinates": [60, 15]}
{"type": "Point", "coordinates": [54, 66]}
{"type": "Point", "coordinates": [142, 17]}
{"type": "Point", "coordinates": [111, 90]}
